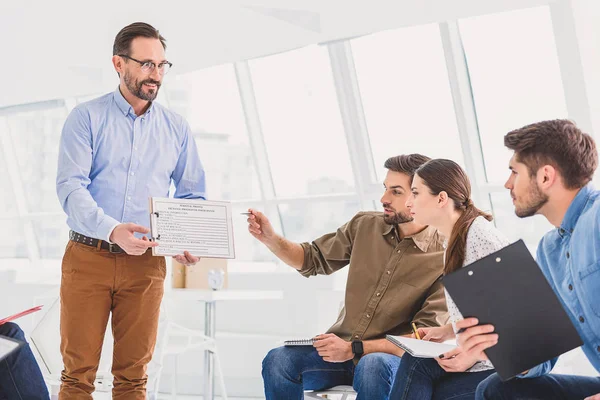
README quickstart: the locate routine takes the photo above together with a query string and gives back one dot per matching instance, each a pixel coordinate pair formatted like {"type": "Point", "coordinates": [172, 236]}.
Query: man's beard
{"type": "Point", "coordinates": [135, 87]}
{"type": "Point", "coordinates": [536, 200]}
{"type": "Point", "coordinates": [397, 218]}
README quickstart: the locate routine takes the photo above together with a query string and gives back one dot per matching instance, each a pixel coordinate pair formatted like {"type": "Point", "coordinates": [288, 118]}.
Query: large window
{"type": "Point", "coordinates": [406, 94]}
{"type": "Point", "coordinates": [12, 239]}
{"type": "Point", "coordinates": [515, 77]}
{"type": "Point", "coordinates": [291, 100]}
{"type": "Point", "coordinates": [34, 135]}
{"type": "Point", "coordinates": [305, 222]}
{"type": "Point", "coordinates": [516, 80]}
{"type": "Point", "coordinates": [209, 100]}
{"type": "Point", "coordinates": [301, 123]}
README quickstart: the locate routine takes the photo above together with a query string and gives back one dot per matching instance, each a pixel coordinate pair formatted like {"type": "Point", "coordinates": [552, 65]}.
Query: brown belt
{"type": "Point", "coordinates": [88, 241]}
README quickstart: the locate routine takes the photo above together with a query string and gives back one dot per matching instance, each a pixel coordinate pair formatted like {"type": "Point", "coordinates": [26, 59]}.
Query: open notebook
{"type": "Point", "coordinates": [420, 348]}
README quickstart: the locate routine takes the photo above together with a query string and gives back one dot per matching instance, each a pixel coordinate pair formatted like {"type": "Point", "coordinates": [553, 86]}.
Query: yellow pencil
{"type": "Point", "coordinates": [415, 330]}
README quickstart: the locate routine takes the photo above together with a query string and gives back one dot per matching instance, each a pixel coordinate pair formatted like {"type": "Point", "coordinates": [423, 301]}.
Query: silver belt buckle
{"type": "Point", "coordinates": [112, 248]}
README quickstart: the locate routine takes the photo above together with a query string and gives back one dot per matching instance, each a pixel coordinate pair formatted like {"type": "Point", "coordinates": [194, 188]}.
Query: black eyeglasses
{"type": "Point", "coordinates": [149, 66]}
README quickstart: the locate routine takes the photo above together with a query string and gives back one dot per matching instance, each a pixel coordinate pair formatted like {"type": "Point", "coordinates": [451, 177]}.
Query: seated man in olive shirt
{"type": "Point", "coordinates": [394, 266]}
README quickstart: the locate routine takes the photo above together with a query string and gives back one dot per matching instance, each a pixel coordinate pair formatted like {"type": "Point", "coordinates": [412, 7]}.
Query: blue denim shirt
{"type": "Point", "coordinates": [569, 257]}
{"type": "Point", "coordinates": [111, 161]}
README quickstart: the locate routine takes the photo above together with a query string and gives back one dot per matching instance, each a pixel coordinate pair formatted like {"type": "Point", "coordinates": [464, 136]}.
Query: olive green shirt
{"type": "Point", "coordinates": [391, 282]}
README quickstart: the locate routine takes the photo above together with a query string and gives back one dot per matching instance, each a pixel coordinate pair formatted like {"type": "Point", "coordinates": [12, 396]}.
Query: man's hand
{"type": "Point", "coordinates": [123, 236]}
{"type": "Point", "coordinates": [594, 397]}
{"type": "Point", "coordinates": [456, 360]}
{"type": "Point", "coordinates": [260, 227]}
{"type": "Point", "coordinates": [186, 258]}
{"type": "Point", "coordinates": [475, 339]}
{"type": "Point", "coordinates": [333, 349]}
{"type": "Point", "coordinates": [437, 334]}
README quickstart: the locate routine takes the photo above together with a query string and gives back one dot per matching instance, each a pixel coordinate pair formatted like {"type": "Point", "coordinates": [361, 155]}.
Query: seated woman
{"type": "Point", "coordinates": [20, 375]}
{"type": "Point", "coordinates": [441, 197]}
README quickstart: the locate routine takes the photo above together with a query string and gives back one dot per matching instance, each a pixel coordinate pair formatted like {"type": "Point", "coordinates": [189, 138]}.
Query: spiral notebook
{"type": "Point", "coordinates": [299, 342]}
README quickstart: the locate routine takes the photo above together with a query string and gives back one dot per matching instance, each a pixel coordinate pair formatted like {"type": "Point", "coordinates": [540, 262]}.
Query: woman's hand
{"type": "Point", "coordinates": [437, 334]}
{"type": "Point", "coordinates": [457, 360]}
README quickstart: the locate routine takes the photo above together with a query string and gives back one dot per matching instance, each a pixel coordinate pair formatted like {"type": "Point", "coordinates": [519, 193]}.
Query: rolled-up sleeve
{"type": "Point", "coordinates": [74, 165]}
{"type": "Point", "coordinates": [329, 253]}
{"type": "Point", "coordinates": [434, 311]}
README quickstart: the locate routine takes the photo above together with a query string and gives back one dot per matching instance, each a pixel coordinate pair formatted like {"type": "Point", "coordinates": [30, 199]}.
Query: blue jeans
{"type": "Point", "coordinates": [547, 387]}
{"type": "Point", "coordinates": [20, 376]}
{"type": "Point", "coordinates": [423, 378]}
{"type": "Point", "coordinates": [289, 371]}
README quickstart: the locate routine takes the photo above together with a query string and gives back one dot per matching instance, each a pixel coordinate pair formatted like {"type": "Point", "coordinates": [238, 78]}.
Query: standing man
{"type": "Point", "coordinates": [551, 171]}
{"type": "Point", "coordinates": [115, 152]}
{"type": "Point", "coordinates": [394, 265]}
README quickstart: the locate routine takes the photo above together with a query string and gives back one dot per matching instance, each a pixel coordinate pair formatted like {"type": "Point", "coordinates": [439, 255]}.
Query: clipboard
{"type": "Point", "coordinates": [8, 346]}
{"type": "Point", "coordinates": [508, 290]}
{"type": "Point", "coordinates": [202, 227]}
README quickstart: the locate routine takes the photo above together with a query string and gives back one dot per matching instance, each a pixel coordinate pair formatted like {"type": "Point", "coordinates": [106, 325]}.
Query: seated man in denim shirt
{"type": "Point", "coordinates": [551, 171]}
{"type": "Point", "coordinates": [20, 375]}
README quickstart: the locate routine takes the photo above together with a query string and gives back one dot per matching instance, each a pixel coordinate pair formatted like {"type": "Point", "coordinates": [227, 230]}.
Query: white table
{"type": "Point", "coordinates": [210, 298]}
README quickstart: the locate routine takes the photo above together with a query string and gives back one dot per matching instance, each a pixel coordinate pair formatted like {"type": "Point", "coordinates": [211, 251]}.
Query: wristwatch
{"type": "Point", "coordinates": [357, 349]}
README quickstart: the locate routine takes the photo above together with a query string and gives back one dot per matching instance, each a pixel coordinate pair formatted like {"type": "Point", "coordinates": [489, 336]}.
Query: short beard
{"type": "Point", "coordinates": [135, 87]}
{"type": "Point", "coordinates": [397, 218]}
{"type": "Point", "coordinates": [536, 200]}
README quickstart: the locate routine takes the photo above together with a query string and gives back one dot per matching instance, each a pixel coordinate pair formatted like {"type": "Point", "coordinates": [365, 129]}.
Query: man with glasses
{"type": "Point", "coordinates": [115, 152]}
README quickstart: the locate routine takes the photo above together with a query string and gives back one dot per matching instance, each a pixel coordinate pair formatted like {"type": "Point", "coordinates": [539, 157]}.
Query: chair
{"type": "Point", "coordinates": [345, 393]}
{"type": "Point", "coordinates": [180, 340]}
{"type": "Point", "coordinates": [174, 340]}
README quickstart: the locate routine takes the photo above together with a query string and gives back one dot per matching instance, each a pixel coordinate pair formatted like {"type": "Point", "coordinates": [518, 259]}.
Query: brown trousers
{"type": "Point", "coordinates": [94, 284]}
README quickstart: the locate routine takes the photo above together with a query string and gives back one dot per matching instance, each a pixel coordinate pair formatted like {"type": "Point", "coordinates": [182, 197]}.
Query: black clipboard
{"type": "Point", "coordinates": [508, 289]}
{"type": "Point", "coordinates": [8, 346]}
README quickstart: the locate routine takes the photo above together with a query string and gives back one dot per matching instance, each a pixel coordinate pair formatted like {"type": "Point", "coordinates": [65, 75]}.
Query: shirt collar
{"type": "Point", "coordinates": [125, 107]}
{"type": "Point", "coordinates": [575, 209]}
{"type": "Point", "coordinates": [421, 239]}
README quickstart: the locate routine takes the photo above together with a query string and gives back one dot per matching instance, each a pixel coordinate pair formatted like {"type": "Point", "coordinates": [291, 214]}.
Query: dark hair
{"type": "Point", "coordinates": [441, 175]}
{"type": "Point", "coordinates": [406, 163]}
{"type": "Point", "coordinates": [559, 143]}
{"type": "Point", "coordinates": [122, 44]}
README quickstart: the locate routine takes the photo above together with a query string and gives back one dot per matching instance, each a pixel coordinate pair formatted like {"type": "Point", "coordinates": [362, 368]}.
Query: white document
{"type": "Point", "coordinates": [420, 348]}
{"type": "Point", "coordinates": [199, 226]}
{"type": "Point", "coordinates": [7, 346]}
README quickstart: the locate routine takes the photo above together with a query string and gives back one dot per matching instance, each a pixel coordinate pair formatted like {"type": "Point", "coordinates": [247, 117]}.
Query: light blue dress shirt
{"type": "Point", "coordinates": [569, 257]}
{"type": "Point", "coordinates": [111, 162]}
